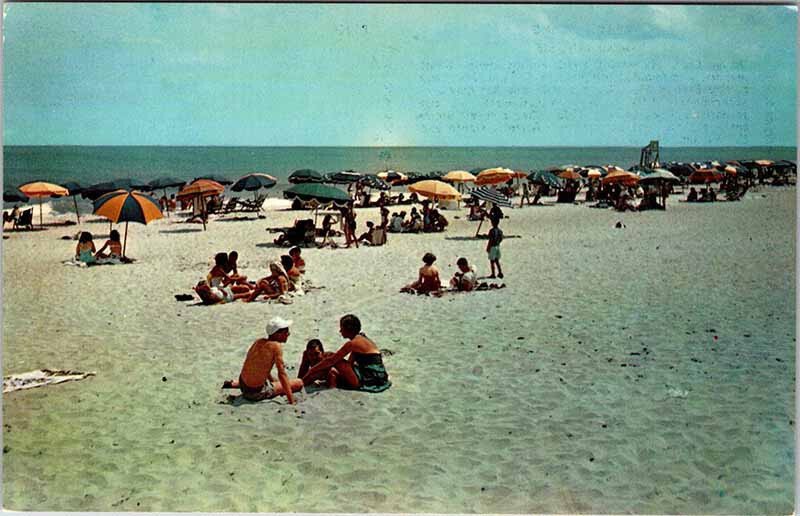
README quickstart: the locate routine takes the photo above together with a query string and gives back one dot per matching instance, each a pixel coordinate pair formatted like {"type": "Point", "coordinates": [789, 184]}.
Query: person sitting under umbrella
{"type": "Point", "coordinates": [84, 251]}
{"type": "Point", "coordinates": [428, 281]}
{"type": "Point", "coordinates": [438, 221]}
{"type": "Point", "coordinates": [114, 247]}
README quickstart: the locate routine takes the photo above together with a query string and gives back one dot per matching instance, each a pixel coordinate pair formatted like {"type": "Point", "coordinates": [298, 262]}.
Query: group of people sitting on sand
{"type": "Point", "coordinates": [427, 220]}
{"type": "Point", "coordinates": [357, 365]}
{"type": "Point", "coordinates": [111, 252]}
{"type": "Point", "coordinates": [707, 194]}
{"type": "Point", "coordinates": [224, 284]}
{"type": "Point", "coordinates": [465, 279]}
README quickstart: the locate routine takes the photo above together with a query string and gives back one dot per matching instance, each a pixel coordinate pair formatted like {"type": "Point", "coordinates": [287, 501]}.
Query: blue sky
{"type": "Point", "coordinates": [372, 74]}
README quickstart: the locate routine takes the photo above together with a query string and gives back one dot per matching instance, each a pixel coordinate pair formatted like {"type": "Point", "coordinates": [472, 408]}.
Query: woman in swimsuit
{"type": "Point", "coordinates": [85, 250]}
{"type": "Point", "coordinates": [218, 277]}
{"type": "Point", "coordinates": [272, 286]}
{"type": "Point", "coordinates": [295, 284]}
{"type": "Point", "coordinates": [363, 371]}
{"type": "Point", "coordinates": [428, 281]}
{"type": "Point", "coordinates": [113, 245]}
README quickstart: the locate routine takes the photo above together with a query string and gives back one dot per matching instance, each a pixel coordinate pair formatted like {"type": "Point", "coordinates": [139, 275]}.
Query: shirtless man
{"type": "Point", "coordinates": [256, 381]}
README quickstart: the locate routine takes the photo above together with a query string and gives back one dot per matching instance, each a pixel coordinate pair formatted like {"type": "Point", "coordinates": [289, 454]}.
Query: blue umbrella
{"type": "Point", "coordinates": [74, 189]}
{"type": "Point", "coordinates": [306, 175]}
{"type": "Point", "coordinates": [545, 177]}
{"type": "Point", "coordinates": [96, 190]}
{"type": "Point", "coordinates": [344, 177]}
{"type": "Point", "coordinates": [374, 182]}
{"type": "Point", "coordinates": [14, 195]}
{"type": "Point", "coordinates": [253, 182]}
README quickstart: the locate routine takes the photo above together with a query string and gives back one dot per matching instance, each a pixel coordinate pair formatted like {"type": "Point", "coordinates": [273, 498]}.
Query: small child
{"type": "Point", "coordinates": [493, 247]}
{"type": "Point", "coordinates": [294, 252]}
{"type": "Point", "coordinates": [464, 279]}
{"type": "Point", "coordinates": [85, 250]}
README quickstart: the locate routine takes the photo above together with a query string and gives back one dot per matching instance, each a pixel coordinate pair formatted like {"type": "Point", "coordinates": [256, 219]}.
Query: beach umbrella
{"type": "Point", "coordinates": [198, 190]}
{"type": "Point", "coordinates": [162, 183]}
{"type": "Point", "coordinates": [14, 195]}
{"type": "Point", "coordinates": [344, 177]}
{"type": "Point", "coordinates": [40, 190]}
{"type": "Point", "coordinates": [306, 175]}
{"type": "Point", "coordinates": [493, 176]}
{"type": "Point", "coordinates": [127, 206]}
{"type": "Point", "coordinates": [593, 172]}
{"type": "Point", "coordinates": [94, 191]}
{"type": "Point", "coordinates": [570, 174]}
{"type": "Point", "coordinates": [458, 176]}
{"type": "Point", "coordinates": [216, 178]}
{"type": "Point", "coordinates": [620, 176]}
{"type": "Point", "coordinates": [763, 162]}
{"type": "Point", "coordinates": [735, 170]}
{"type": "Point", "coordinates": [392, 176]}
{"type": "Point", "coordinates": [318, 193]}
{"type": "Point", "coordinates": [436, 190]}
{"type": "Point", "coordinates": [491, 195]}
{"type": "Point", "coordinates": [659, 175]}
{"type": "Point", "coordinates": [374, 182]}
{"type": "Point", "coordinates": [705, 175]}
{"type": "Point", "coordinates": [545, 177]}
{"type": "Point", "coordinates": [253, 182]}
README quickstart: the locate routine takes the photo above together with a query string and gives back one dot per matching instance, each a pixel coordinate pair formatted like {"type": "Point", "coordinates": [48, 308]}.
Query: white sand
{"type": "Point", "coordinates": [504, 401]}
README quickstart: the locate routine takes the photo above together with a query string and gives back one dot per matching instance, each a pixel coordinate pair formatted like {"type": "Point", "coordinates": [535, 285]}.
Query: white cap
{"type": "Point", "coordinates": [277, 324]}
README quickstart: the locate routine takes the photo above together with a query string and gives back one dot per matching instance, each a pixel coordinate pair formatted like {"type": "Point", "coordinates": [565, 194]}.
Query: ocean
{"type": "Point", "coordinates": [89, 165]}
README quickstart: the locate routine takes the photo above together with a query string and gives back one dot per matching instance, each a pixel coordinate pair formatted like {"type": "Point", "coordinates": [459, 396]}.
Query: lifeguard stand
{"type": "Point", "coordinates": [649, 156]}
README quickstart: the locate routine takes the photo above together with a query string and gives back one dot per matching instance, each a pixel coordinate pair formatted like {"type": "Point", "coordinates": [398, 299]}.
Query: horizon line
{"type": "Point", "coordinates": [633, 146]}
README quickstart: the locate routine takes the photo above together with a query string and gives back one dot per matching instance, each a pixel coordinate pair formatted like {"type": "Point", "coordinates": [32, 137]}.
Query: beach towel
{"type": "Point", "coordinates": [41, 377]}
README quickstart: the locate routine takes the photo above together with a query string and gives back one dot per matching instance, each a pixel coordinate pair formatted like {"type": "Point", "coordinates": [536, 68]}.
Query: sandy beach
{"type": "Point", "coordinates": [646, 369]}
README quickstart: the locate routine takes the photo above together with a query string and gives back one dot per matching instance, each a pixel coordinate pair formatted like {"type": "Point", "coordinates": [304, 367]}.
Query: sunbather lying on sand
{"type": "Point", "coordinates": [428, 280]}
{"type": "Point", "coordinates": [213, 295]}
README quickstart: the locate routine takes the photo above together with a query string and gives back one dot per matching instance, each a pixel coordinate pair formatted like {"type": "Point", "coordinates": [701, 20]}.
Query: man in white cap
{"type": "Point", "coordinates": [255, 380]}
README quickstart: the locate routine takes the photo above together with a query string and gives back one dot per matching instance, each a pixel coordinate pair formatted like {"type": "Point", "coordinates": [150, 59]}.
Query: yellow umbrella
{"type": "Point", "coordinates": [493, 176]}
{"type": "Point", "coordinates": [458, 176]}
{"type": "Point", "coordinates": [435, 190]}
{"type": "Point", "coordinates": [40, 189]}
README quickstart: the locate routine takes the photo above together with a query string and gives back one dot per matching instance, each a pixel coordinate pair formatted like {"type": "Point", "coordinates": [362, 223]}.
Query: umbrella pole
{"type": "Point", "coordinates": [166, 208]}
{"type": "Point", "coordinates": [75, 200]}
{"type": "Point", "coordinates": [479, 227]}
{"type": "Point", "coordinates": [125, 242]}
{"type": "Point", "coordinates": [203, 211]}
{"type": "Point", "coordinates": [40, 213]}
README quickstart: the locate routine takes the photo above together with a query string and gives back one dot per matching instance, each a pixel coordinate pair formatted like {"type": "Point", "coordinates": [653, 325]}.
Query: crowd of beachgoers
{"type": "Point", "coordinates": [358, 364]}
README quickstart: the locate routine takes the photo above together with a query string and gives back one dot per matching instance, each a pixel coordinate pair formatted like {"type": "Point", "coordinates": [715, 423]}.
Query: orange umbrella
{"type": "Point", "coordinates": [41, 189]}
{"type": "Point", "coordinates": [494, 176]}
{"type": "Point", "coordinates": [705, 175]}
{"type": "Point", "coordinates": [199, 189]}
{"type": "Point", "coordinates": [764, 162]}
{"type": "Point", "coordinates": [435, 190]}
{"type": "Point", "coordinates": [569, 174]}
{"type": "Point", "coordinates": [204, 187]}
{"type": "Point", "coordinates": [621, 176]}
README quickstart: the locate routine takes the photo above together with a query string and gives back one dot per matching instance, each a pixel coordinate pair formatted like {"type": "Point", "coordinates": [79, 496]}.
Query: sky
{"type": "Point", "coordinates": [399, 75]}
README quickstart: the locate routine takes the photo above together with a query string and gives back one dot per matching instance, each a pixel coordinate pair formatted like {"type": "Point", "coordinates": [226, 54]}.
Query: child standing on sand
{"type": "Point", "coordinates": [493, 247]}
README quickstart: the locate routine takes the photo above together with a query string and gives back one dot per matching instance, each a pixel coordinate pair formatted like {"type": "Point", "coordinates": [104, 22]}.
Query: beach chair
{"type": "Point", "coordinates": [25, 220]}
{"type": "Point", "coordinates": [254, 205]}
{"type": "Point", "coordinates": [230, 206]}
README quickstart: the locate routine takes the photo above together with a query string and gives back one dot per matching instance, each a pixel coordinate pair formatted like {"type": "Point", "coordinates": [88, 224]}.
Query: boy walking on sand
{"type": "Point", "coordinates": [256, 381]}
{"type": "Point", "coordinates": [493, 247]}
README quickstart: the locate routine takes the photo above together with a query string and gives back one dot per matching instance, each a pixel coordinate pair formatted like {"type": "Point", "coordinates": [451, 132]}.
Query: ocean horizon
{"type": "Point", "coordinates": [96, 163]}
